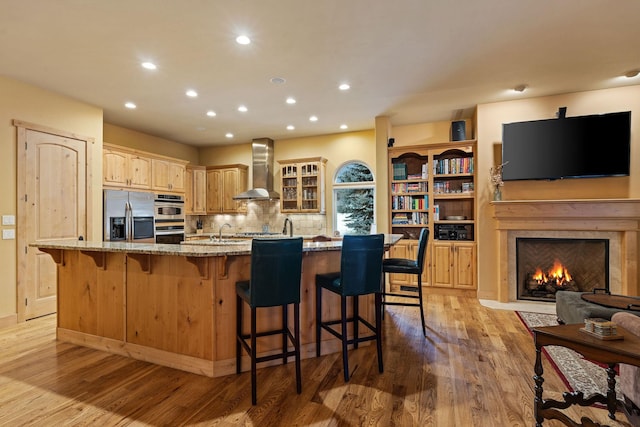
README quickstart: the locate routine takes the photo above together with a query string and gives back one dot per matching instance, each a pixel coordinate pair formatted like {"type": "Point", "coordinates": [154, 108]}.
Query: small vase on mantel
{"type": "Point", "coordinates": [497, 193]}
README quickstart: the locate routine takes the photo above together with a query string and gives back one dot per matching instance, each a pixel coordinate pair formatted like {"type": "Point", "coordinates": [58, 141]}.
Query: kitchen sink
{"type": "Point", "coordinates": [216, 242]}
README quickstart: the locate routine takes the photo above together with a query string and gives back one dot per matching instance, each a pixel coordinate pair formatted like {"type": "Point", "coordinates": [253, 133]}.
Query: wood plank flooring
{"type": "Point", "coordinates": [474, 368]}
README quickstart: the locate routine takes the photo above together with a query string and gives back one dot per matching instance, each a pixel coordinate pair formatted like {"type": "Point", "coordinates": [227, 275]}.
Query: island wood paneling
{"type": "Point", "coordinates": [180, 311]}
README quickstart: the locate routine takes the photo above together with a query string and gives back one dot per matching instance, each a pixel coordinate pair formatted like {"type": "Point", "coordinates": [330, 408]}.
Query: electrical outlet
{"type": "Point", "coordinates": [9, 234]}
{"type": "Point", "coordinates": [8, 220]}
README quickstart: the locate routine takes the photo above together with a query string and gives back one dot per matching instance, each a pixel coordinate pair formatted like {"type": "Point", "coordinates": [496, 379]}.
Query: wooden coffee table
{"type": "Point", "coordinates": [610, 353]}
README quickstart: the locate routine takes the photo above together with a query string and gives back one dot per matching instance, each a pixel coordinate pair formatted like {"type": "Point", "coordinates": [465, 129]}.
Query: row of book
{"type": "Point", "coordinates": [412, 218]}
{"type": "Point", "coordinates": [400, 172]}
{"type": "Point", "coordinates": [453, 166]}
{"type": "Point", "coordinates": [409, 187]}
{"type": "Point", "coordinates": [409, 202]}
{"type": "Point", "coordinates": [446, 187]}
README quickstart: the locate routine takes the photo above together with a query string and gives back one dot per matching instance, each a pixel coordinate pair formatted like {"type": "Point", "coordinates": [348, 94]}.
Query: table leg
{"type": "Point", "coordinates": [537, 402]}
{"type": "Point", "coordinates": [611, 391]}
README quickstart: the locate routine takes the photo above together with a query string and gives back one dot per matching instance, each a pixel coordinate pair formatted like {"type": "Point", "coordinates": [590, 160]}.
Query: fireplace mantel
{"type": "Point", "coordinates": [619, 216]}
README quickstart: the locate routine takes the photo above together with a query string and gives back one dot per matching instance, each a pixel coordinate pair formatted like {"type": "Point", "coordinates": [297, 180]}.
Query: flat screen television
{"type": "Point", "coordinates": [571, 147]}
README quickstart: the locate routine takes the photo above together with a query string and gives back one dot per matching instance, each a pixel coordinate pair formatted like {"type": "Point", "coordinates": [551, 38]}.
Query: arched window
{"type": "Point", "coordinates": [353, 199]}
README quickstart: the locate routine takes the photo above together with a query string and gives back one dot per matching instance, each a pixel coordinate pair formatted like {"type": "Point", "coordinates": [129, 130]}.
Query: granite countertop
{"type": "Point", "coordinates": [193, 250]}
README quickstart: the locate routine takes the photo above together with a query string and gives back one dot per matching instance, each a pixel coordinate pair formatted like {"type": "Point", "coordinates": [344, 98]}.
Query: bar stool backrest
{"type": "Point", "coordinates": [422, 248]}
{"type": "Point", "coordinates": [361, 264]}
{"type": "Point", "coordinates": [276, 269]}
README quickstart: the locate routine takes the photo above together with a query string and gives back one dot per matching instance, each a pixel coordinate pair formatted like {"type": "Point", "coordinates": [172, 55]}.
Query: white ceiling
{"type": "Point", "coordinates": [413, 60]}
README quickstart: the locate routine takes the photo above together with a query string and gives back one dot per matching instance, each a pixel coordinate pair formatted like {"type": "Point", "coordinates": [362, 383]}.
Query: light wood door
{"type": "Point", "coordinates": [442, 264]}
{"type": "Point", "coordinates": [230, 179]}
{"type": "Point", "coordinates": [214, 191]}
{"type": "Point", "coordinates": [199, 191]}
{"type": "Point", "coordinates": [52, 206]}
{"type": "Point", "coordinates": [464, 260]}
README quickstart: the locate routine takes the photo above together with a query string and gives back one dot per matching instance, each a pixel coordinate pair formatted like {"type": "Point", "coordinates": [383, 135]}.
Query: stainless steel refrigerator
{"type": "Point", "coordinates": [128, 216]}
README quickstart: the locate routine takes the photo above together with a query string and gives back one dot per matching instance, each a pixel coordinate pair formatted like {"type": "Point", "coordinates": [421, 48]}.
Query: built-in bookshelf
{"type": "Point", "coordinates": [433, 186]}
{"type": "Point", "coordinates": [409, 193]}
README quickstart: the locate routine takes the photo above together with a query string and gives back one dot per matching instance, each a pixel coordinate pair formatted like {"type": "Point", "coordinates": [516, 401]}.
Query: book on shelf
{"type": "Point", "coordinates": [399, 171]}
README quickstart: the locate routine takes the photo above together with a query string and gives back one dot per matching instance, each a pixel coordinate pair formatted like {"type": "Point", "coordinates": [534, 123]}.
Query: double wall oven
{"type": "Point", "coordinates": [169, 216]}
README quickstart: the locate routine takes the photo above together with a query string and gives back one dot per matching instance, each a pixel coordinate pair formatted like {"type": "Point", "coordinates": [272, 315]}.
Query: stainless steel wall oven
{"type": "Point", "coordinates": [169, 218]}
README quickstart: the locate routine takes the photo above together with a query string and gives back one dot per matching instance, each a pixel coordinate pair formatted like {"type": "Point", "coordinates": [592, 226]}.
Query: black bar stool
{"type": "Point", "coordinates": [360, 274]}
{"type": "Point", "coordinates": [408, 266]}
{"type": "Point", "coordinates": [276, 269]}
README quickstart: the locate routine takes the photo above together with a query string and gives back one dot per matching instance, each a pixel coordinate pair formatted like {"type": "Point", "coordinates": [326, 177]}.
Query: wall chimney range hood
{"type": "Point", "coordinates": [263, 169]}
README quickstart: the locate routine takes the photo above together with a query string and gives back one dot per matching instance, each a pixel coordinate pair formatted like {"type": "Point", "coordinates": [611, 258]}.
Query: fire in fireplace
{"type": "Point", "coordinates": [547, 265]}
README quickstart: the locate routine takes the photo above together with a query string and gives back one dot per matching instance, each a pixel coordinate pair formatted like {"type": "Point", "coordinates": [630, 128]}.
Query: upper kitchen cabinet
{"type": "Point", "coordinates": [224, 182]}
{"type": "Point", "coordinates": [195, 196]}
{"type": "Point", "coordinates": [125, 169]}
{"type": "Point", "coordinates": [302, 185]}
{"type": "Point", "coordinates": [169, 175]}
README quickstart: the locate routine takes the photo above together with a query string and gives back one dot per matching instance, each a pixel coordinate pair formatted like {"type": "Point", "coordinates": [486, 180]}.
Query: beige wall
{"type": "Point", "coordinates": [141, 141]}
{"type": "Point", "coordinates": [336, 148]}
{"type": "Point", "coordinates": [19, 101]}
{"type": "Point", "coordinates": [490, 118]}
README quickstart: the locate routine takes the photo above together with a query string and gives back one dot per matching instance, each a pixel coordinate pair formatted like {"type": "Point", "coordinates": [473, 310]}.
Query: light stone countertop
{"type": "Point", "coordinates": [191, 250]}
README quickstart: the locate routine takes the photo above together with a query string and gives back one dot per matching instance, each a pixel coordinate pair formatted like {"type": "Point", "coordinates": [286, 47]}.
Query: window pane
{"type": "Point", "coordinates": [354, 172]}
{"type": "Point", "coordinates": [354, 208]}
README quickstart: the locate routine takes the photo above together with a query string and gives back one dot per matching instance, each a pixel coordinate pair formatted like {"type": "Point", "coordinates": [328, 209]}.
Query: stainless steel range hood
{"type": "Point", "coordinates": [263, 170]}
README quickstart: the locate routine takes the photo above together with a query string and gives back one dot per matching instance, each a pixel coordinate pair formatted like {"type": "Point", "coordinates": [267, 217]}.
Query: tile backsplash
{"type": "Point", "coordinates": [261, 216]}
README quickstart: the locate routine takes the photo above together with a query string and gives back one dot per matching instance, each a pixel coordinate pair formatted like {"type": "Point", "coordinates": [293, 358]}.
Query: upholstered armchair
{"type": "Point", "coordinates": [630, 375]}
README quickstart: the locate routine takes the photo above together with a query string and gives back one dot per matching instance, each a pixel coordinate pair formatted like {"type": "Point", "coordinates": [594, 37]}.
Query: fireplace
{"type": "Point", "coordinates": [547, 265]}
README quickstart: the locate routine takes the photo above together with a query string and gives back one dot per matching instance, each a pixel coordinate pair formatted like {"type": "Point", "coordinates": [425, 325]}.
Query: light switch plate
{"type": "Point", "coordinates": [8, 220]}
{"type": "Point", "coordinates": [8, 234]}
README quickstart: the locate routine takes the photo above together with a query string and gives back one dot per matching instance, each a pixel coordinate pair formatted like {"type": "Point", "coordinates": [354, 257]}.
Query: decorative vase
{"type": "Point", "coordinates": [497, 193]}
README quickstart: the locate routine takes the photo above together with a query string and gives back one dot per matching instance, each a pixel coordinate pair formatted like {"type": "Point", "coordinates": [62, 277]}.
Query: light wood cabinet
{"type": "Point", "coordinates": [302, 188]}
{"type": "Point", "coordinates": [168, 176]}
{"type": "Point", "coordinates": [195, 196]}
{"type": "Point", "coordinates": [432, 186]}
{"type": "Point", "coordinates": [132, 169]}
{"type": "Point", "coordinates": [454, 265]}
{"type": "Point", "coordinates": [224, 182]}
{"type": "Point", "coordinates": [123, 169]}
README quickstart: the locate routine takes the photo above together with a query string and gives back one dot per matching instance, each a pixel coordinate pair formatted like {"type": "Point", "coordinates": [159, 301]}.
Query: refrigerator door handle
{"type": "Point", "coordinates": [128, 220]}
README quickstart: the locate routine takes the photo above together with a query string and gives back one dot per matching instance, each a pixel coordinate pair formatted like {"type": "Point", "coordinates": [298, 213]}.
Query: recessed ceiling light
{"type": "Point", "coordinates": [191, 93]}
{"type": "Point", "coordinates": [130, 105]}
{"type": "Point", "coordinates": [228, 135]}
{"type": "Point", "coordinates": [211, 113]}
{"type": "Point", "coordinates": [291, 100]}
{"type": "Point", "coordinates": [291, 127]}
{"type": "Point", "coordinates": [632, 73]}
{"type": "Point", "coordinates": [242, 39]}
{"type": "Point", "coordinates": [277, 80]}
{"type": "Point", "coordinates": [243, 109]}
{"type": "Point", "coordinates": [344, 86]}
{"type": "Point", "coordinates": [149, 65]}
{"type": "Point", "coordinates": [520, 88]}
{"type": "Point", "coordinates": [344, 127]}
{"type": "Point", "coordinates": [313, 118]}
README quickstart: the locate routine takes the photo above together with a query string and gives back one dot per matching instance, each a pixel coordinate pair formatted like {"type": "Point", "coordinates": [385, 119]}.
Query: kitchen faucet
{"type": "Point", "coordinates": [284, 229]}
{"type": "Point", "coordinates": [221, 227]}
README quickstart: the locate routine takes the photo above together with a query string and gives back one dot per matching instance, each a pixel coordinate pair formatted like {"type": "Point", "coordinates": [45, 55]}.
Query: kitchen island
{"type": "Point", "coordinates": [175, 305]}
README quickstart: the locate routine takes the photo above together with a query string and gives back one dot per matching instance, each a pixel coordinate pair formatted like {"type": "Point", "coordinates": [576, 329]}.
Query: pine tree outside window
{"type": "Point", "coordinates": [353, 199]}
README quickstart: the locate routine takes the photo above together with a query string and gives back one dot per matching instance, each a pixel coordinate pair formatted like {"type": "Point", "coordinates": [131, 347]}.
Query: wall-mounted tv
{"type": "Point", "coordinates": [571, 147]}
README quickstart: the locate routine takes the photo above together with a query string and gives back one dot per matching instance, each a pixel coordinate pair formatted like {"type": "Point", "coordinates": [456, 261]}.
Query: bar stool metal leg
{"type": "Point", "coordinates": [345, 358]}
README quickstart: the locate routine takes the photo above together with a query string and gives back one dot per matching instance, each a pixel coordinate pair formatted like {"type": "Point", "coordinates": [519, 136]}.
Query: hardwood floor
{"type": "Point", "coordinates": [474, 368]}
